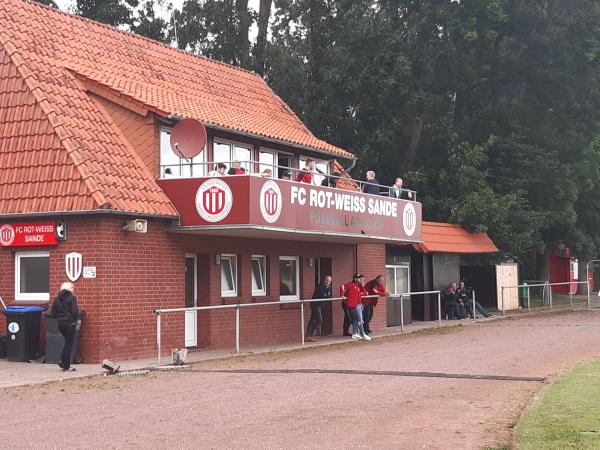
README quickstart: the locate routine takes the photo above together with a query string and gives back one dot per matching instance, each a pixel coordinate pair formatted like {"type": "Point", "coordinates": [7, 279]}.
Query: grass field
{"type": "Point", "coordinates": [567, 416]}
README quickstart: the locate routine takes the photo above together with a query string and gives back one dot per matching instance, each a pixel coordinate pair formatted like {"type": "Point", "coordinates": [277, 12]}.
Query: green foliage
{"type": "Point", "coordinates": [110, 12]}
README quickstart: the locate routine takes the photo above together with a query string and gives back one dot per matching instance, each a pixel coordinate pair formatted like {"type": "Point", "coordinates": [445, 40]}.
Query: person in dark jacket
{"type": "Point", "coordinates": [323, 290]}
{"type": "Point", "coordinates": [372, 185]}
{"type": "Point", "coordinates": [65, 311]}
{"type": "Point", "coordinates": [463, 294]}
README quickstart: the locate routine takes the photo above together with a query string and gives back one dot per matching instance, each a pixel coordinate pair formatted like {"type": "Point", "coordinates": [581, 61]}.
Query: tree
{"type": "Point", "coordinates": [148, 24]}
{"type": "Point", "coordinates": [111, 12]}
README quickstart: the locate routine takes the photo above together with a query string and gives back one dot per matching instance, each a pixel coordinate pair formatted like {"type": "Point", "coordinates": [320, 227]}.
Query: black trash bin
{"type": "Point", "coordinates": [2, 347]}
{"type": "Point", "coordinates": [23, 332]}
{"type": "Point", "coordinates": [55, 341]}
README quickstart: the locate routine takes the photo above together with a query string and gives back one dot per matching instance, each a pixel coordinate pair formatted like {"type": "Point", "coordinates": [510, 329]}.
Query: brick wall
{"type": "Point", "coordinates": [138, 273]}
{"type": "Point", "coordinates": [371, 262]}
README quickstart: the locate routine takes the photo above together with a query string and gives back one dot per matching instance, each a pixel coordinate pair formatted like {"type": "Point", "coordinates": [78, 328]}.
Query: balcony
{"type": "Point", "coordinates": [255, 207]}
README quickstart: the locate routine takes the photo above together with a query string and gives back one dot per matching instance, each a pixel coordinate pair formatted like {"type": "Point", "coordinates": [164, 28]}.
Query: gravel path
{"type": "Point", "coordinates": [205, 408]}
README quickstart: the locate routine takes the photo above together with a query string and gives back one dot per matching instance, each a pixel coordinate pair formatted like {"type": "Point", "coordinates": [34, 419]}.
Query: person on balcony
{"type": "Point", "coordinates": [306, 175]}
{"type": "Point", "coordinates": [332, 180]}
{"type": "Point", "coordinates": [220, 170]}
{"type": "Point", "coordinates": [372, 185]}
{"type": "Point", "coordinates": [374, 287]}
{"type": "Point", "coordinates": [396, 191]}
{"type": "Point", "coordinates": [463, 295]}
{"type": "Point", "coordinates": [354, 292]}
{"type": "Point", "coordinates": [323, 290]}
{"type": "Point", "coordinates": [236, 169]}
{"type": "Point", "coordinates": [286, 175]}
{"type": "Point", "coordinates": [267, 173]}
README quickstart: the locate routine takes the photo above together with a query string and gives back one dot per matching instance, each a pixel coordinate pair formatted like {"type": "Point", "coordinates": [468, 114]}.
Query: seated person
{"type": "Point", "coordinates": [453, 306]}
{"type": "Point", "coordinates": [219, 170]}
{"type": "Point", "coordinates": [372, 185]}
{"type": "Point", "coordinates": [463, 294]}
{"type": "Point", "coordinates": [236, 169]}
{"type": "Point", "coordinates": [286, 175]}
{"type": "Point", "coordinates": [267, 173]}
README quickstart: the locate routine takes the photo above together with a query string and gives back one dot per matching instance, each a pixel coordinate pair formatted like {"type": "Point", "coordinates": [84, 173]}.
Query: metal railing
{"type": "Point", "coordinates": [547, 287]}
{"type": "Point", "coordinates": [256, 168]}
{"type": "Point", "coordinates": [239, 306]}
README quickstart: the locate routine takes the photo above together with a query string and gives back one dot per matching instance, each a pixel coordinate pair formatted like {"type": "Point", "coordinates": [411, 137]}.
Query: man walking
{"type": "Point", "coordinates": [323, 290]}
{"type": "Point", "coordinates": [354, 291]}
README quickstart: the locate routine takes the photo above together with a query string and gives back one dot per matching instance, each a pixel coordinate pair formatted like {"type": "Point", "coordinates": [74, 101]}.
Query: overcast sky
{"type": "Point", "coordinates": [66, 4]}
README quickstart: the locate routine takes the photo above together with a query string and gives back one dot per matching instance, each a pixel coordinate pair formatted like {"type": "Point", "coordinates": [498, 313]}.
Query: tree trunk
{"type": "Point", "coordinates": [241, 7]}
{"type": "Point", "coordinates": [264, 13]}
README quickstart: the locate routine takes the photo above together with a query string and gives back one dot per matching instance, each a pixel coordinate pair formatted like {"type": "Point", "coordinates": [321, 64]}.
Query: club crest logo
{"type": "Point", "coordinates": [73, 266]}
{"type": "Point", "coordinates": [270, 201]}
{"type": "Point", "coordinates": [214, 200]}
{"type": "Point", "coordinates": [7, 235]}
{"type": "Point", "coordinates": [409, 219]}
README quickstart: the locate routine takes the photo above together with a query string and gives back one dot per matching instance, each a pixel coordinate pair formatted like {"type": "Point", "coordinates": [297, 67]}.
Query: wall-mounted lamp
{"type": "Point", "coordinates": [217, 259]}
{"type": "Point", "coordinates": [311, 262]}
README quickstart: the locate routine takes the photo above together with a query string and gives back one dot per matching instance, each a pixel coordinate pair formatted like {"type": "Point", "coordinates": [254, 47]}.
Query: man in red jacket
{"type": "Point", "coordinates": [306, 175]}
{"type": "Point", "coordinates": [354, 292]}
{"type": "Point", "coordinates": [373, 287]}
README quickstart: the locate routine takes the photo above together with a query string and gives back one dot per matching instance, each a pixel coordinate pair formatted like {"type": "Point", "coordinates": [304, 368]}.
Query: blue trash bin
{"type": "Point", "coordinates": [23, 332]}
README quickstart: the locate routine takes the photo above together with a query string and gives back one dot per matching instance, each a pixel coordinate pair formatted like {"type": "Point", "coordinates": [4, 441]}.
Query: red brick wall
{"type": "Point", "coordinates": [138, 273]}
{"type": "Point", "coordinates": [371, 262]}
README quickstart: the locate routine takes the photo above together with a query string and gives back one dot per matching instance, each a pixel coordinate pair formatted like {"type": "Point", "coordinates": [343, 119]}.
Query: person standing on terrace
{"type": "Point", "coordinates": [306, 175]}
{"type": "Point", "coordinates": [396, 191]}
{"type": "Point", "coordinates": [372, 185]}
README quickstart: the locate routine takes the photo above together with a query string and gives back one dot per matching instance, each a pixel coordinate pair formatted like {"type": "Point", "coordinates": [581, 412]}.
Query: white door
{"type": "Point", "coordinates": [191, 300]}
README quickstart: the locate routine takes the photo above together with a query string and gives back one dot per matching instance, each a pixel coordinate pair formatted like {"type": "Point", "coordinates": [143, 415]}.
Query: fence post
{"type": "Point", "coordinates": [401, 313]}
{"type": "Point", "coordinates": [502, 295]}
{"type": "Point", "coordinates": [528, 300]}
{"type": "Point", "coordinates": [550, 293]}
{"type": "Point", "coordinates": [302, 319]}
{"type": "Point", "coordinates": [474, 309]}
{"type": "Point", "coordinates": [158, 337]}
{"type": "Point", "coordinates": [588, 291]}
{"type": "Point", "coordinates": [440, 308]}
{"type": "Point", "coordinates": [570, 297]}
{"type": "Point", "coordinates": [237, 328]}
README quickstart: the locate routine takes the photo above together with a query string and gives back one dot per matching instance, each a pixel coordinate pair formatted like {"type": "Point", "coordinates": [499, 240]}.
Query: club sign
{"type": "Point", "coordinates": [28, 234]}
{"type": "Point", "coordinates": [214, 200]}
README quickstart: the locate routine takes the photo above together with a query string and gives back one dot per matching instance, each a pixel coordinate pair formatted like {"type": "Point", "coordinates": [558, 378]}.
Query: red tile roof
{"type": "Point", "coordinates": [450, 238]}
{"type": "Point", "coordinates": [60, 151]}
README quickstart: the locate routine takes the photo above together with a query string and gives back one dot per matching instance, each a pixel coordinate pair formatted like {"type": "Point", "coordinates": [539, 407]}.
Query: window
{"type": "Point", "coordinates": [259, 275]}
{"type": "Point", "coordinates": [226, 152]}
{"type": "Point", "coordinates": [266, 159]}
{"type": "Point", "coordinates": [229, 275]}
{"type": "Point", "coordinates": [289, 278]}
{"type": "Point", "coordinates": [398, 279]}
{"type": "Point", "coordinates": [172, 166]}
{"type": "Point", "coordinates": [283, 160]}
{"type": "Point", "coordinates": [321, 169]}
{"type": "Point", "coordinates": [32, 276]}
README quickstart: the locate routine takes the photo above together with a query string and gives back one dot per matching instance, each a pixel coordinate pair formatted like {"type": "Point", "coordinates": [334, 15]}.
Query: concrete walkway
{"type": "Point", "coordinates": [14, 374]}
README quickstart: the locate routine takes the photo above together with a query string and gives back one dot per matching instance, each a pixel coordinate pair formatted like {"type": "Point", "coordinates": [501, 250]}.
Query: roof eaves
{"type": "Point", "coordinates": [61, 133]}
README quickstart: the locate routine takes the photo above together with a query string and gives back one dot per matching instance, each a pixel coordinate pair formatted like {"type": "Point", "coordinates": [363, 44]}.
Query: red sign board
{"type": "Point", "coordinates": [28, 234]}
{"type": "Point", "coordinates": [254, 202]}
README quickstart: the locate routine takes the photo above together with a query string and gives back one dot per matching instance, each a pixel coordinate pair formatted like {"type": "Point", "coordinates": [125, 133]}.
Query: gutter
{"type": "Point", "coordinates": [90, 212]}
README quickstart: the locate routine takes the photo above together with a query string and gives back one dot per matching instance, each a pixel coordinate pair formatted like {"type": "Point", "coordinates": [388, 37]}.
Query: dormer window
{"type": "Point", "coordinates": [172, 166]}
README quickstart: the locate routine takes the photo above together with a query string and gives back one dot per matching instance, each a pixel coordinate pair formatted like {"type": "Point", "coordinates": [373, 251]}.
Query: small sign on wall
{"type": "Point", "coordinates": [89, 272]}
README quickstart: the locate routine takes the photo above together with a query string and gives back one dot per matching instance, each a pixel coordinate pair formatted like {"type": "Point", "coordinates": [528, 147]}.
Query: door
{"type": "Point", "coordinates": [398, 282]}
{"type": "Point", "coordinates": [191, 300]}
{"type": "Point", "coordinates": [324, 268]}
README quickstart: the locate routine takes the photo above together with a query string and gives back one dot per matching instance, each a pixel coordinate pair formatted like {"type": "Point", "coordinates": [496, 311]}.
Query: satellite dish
{"type": "Point", "coordinates": [188, 138]}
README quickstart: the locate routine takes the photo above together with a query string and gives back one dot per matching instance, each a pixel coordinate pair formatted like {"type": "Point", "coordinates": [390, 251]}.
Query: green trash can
{"type": "Point", "coordinates": [523, 295]}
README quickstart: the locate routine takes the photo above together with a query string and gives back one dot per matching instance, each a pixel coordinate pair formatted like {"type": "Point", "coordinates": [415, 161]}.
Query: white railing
{"type": "Point", "coordinates": [546, 285]}
{"type": "Point", "coordinates": [239, 306]}
{"type": "Point", "coordinates": [254, 167]}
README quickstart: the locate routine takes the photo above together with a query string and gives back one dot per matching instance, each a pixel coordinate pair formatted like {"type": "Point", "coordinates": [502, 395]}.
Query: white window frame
{"type": "Point", "coordinates": [198, 161]}
{"type": "Point", "coordinates": [234, 276]}
{"type": "Point", "coordinates": [284, 298]}
{"type": "Point", "coordinates": [292, 168]}
{"type": "Point", "coordinates": [248, 165]}
{"type": "Point", "coordinates": [263, 273]}
{"type": "Point", "coordinates": [29, 296]}
{"type": "Point", "coordinates": [391, 284]}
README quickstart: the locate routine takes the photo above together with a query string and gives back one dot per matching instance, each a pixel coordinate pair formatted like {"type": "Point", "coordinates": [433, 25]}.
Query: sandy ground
{"type": "Point", "coordinates": [205, 408]}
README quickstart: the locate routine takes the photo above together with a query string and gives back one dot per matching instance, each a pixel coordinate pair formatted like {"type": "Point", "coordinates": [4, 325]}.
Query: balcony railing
{"type": "Point", "coordinates": [257, 168]}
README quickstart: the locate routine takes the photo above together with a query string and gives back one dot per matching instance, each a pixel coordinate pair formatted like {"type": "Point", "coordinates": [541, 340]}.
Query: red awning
{"type": "Point", "coordinates": [451, 238]}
